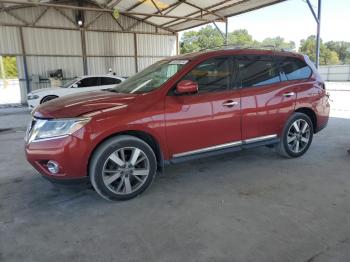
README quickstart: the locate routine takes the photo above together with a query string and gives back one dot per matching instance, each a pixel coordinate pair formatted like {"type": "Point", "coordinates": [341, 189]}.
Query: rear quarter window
{"type": "Point", "coordinates": [293, 69]}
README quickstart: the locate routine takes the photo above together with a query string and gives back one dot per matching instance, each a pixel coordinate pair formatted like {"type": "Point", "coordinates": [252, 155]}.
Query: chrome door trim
{"type": "Point", "coordinates": [260, 138]}
{"type": "Point", "coordinates": [223, 146]}
{"type": "Point", "coordinates": [207, 149]}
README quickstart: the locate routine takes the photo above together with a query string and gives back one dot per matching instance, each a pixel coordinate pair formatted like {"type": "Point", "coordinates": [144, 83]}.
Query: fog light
{"type": "Point", "coordinates": [53, 167]}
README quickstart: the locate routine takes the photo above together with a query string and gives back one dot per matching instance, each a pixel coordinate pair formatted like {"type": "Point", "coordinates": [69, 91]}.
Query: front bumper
{"type": "Point", "coordinates": [70, 152]}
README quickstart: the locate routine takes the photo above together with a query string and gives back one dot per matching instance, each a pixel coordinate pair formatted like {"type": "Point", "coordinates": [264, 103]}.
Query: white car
{"type": "Point", "coordinates": [77, 85]}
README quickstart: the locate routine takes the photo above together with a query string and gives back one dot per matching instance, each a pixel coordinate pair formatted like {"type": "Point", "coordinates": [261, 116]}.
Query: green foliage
{"type": "Point", "coordinates": [10, 67]}
{"type": "Point", "coordinates": [278, 42]}
{"type": "Point", "coordinates": [206, 37]}
{"type": "Point", "coordinates": [332, 52]}
{"type": "Point", "coordinates": [327, 56]}
{"type": "Point", "coordinates": [209, 37]}
{"type": "Point", "coordinates": [342, 48]}
{"type": "Point", "coordinates": [240, 37]}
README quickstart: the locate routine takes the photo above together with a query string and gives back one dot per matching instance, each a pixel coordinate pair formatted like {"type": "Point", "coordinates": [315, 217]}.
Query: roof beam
{"type": "Point", "coordinates": [16, 17]}
{"type": "Point", "coordinates": [136, 5]}
{"type": "Point", "coordinates": [168, 27]}
{"type": "Point", "coordinates": [156, 6]}
{"type": "Point", "coordinates": [40, 16]}
{"type": "Point", "coordinates": [66, 16]}
{"type": "Point", "coordinates": [93, 20]}
{"type": "Point", "coordinates": [312, 10]}
{"type": "Point", "coordinates": [113, 3]}
{"type": "Point", "coordinates": [119, 24]}
{"type": "Point", "coordinates": [210, 7]}
{"type": "Point", "coordinates": [130, 13]}
{"type": "Point", "coordinates": [204, 9]}
{"type": "Point", "coordinates": [165, 11]}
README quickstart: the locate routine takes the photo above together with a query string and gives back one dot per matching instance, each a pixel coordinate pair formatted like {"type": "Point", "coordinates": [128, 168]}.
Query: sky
{"type": "Point", "coordinates": [293, 21]}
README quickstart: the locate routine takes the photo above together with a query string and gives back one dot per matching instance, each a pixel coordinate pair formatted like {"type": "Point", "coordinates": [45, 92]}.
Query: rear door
{"type": "Point", "coordinates": [266, 101]}
{"type": "Point", "coordinates": [209, 118]}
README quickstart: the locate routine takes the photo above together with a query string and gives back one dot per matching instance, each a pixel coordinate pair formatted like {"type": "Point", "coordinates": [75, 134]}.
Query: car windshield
{"type": "Point", "coordinates": [150, 78]}
{"type": "Point", "coordinates": [69, 83]}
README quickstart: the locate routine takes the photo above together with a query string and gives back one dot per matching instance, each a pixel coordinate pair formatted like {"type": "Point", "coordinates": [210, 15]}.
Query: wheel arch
{"type": "Point", "coordinates": [146, 137]}
{"type": "Point", "coordinates": [42, 99]}
{"type": "Point", "coordinates": [311, 114]}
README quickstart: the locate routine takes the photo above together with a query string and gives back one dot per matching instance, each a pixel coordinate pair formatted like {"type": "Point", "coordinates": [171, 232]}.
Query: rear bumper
{"type": "Point", "coordinates": [322, 126]}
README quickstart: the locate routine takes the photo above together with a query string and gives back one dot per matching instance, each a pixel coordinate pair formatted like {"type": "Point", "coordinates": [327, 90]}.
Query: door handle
{"type": "Point", "coordinates": [230, 103]}
{"type": "Point", "coordinates": [289, 94]}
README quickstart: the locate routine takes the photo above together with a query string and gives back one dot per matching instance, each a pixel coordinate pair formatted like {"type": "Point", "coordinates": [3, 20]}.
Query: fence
{"type": "Point", "coordinates": [335, 72]}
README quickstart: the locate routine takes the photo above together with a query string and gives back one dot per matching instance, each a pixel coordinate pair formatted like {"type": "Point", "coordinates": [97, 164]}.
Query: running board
{"type": "Point", "coordinates": [225, 148]}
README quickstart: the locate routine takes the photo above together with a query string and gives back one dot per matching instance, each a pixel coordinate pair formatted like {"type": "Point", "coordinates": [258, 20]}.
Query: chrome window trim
{"type": "Point", "coordinates": [226, 145]}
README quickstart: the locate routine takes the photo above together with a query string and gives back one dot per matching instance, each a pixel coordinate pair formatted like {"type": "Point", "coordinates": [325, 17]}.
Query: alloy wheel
{"type": "Point", "coordinates": [126, 170]}
{"type": "Point", "coordinates": [298, 136]}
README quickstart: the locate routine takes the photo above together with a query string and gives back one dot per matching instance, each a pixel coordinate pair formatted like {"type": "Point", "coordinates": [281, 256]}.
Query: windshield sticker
{"type": "Point", "coordinates": [178, 62]}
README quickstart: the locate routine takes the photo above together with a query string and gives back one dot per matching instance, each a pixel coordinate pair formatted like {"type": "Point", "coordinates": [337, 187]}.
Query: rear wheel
{"type": "Point", "coordinates": [296, 137]}
{"type": "Point", "coordinates": [47, 98]}
{"type": "Point", "coordinates": [122, 168]}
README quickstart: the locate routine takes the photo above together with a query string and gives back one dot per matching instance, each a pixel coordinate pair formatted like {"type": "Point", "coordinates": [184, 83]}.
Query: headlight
{"type": "Point", "coordinates": [31, 97]}
{"type": "Point", "coordinates": [45, 129]}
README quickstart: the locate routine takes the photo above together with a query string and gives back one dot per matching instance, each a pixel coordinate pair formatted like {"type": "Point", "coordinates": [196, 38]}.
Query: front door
{"type": "Point", "coordinates": [209, 119]}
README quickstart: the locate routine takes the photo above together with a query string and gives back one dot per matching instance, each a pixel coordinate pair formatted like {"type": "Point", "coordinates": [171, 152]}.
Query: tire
{"type": "Point", "coordinates": [47, 98]}
{"type": "Point", "coordinates": [295, 143]}
{"type": "Point", "coordinates": [122, 168]}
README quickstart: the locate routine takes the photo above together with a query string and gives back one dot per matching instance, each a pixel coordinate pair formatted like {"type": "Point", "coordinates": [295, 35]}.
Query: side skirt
{"type": "Point", "coordinates": [243, 145]}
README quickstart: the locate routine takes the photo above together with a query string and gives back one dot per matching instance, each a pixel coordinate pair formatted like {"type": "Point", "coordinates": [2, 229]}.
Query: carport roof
{"type": "Point", "coordinates": [173, 15]}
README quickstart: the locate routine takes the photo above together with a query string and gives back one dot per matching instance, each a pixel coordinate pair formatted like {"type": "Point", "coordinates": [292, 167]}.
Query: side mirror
{"type": "Point", "coordinates": [75, 85]}
{"type": "Point", "coordinates": [186, 86]}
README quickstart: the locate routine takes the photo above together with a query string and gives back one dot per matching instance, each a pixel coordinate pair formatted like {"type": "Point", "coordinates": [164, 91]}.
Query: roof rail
{"type": "Point", "coordinates": [262, 47]}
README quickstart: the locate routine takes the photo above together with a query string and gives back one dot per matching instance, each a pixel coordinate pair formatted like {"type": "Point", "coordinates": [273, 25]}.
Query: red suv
{"type": "Point", "coordinates": [179, 109]}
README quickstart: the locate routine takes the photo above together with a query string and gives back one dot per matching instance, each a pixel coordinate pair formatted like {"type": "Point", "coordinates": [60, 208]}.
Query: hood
{"type": "Point", "coordinates": [82, 103]}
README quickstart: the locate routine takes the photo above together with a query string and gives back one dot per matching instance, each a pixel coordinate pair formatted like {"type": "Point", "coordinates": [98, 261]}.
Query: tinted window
{"type": "Point", "coordinates": [109, 81]}
{"type": "Point", "coordinates": [257, 70]}
{"type": "Point", "coordinates": [89, 81]}
{"type": "Point", "coordinates": [293, 68]}
{"type": "Point", "coordinates": [211, 75]}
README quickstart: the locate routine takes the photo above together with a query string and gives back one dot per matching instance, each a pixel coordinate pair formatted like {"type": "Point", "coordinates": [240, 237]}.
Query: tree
{"type": "Point", "coordinates": [278, 42]}
{"type": "Point", "coordinates": [10, 67]}
{"type": "Point", "coordinates": [327, 56]}
{"type": "Point", "coordinates": [240, 37]}
{"type": "Point", "coordinates": [341, 48]}
{"type": "Point", "coordinates": [207, 37]}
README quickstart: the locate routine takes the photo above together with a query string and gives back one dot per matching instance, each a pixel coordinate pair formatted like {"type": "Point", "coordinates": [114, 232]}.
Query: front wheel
{"type": "Point", "coordinates": [122, 168]}
{"type": "Point", "coordinates": [296, 137]}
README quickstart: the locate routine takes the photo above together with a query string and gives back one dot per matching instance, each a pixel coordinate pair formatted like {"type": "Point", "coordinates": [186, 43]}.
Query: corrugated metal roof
{"type": "Point", "coordinates": [172, 15]}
